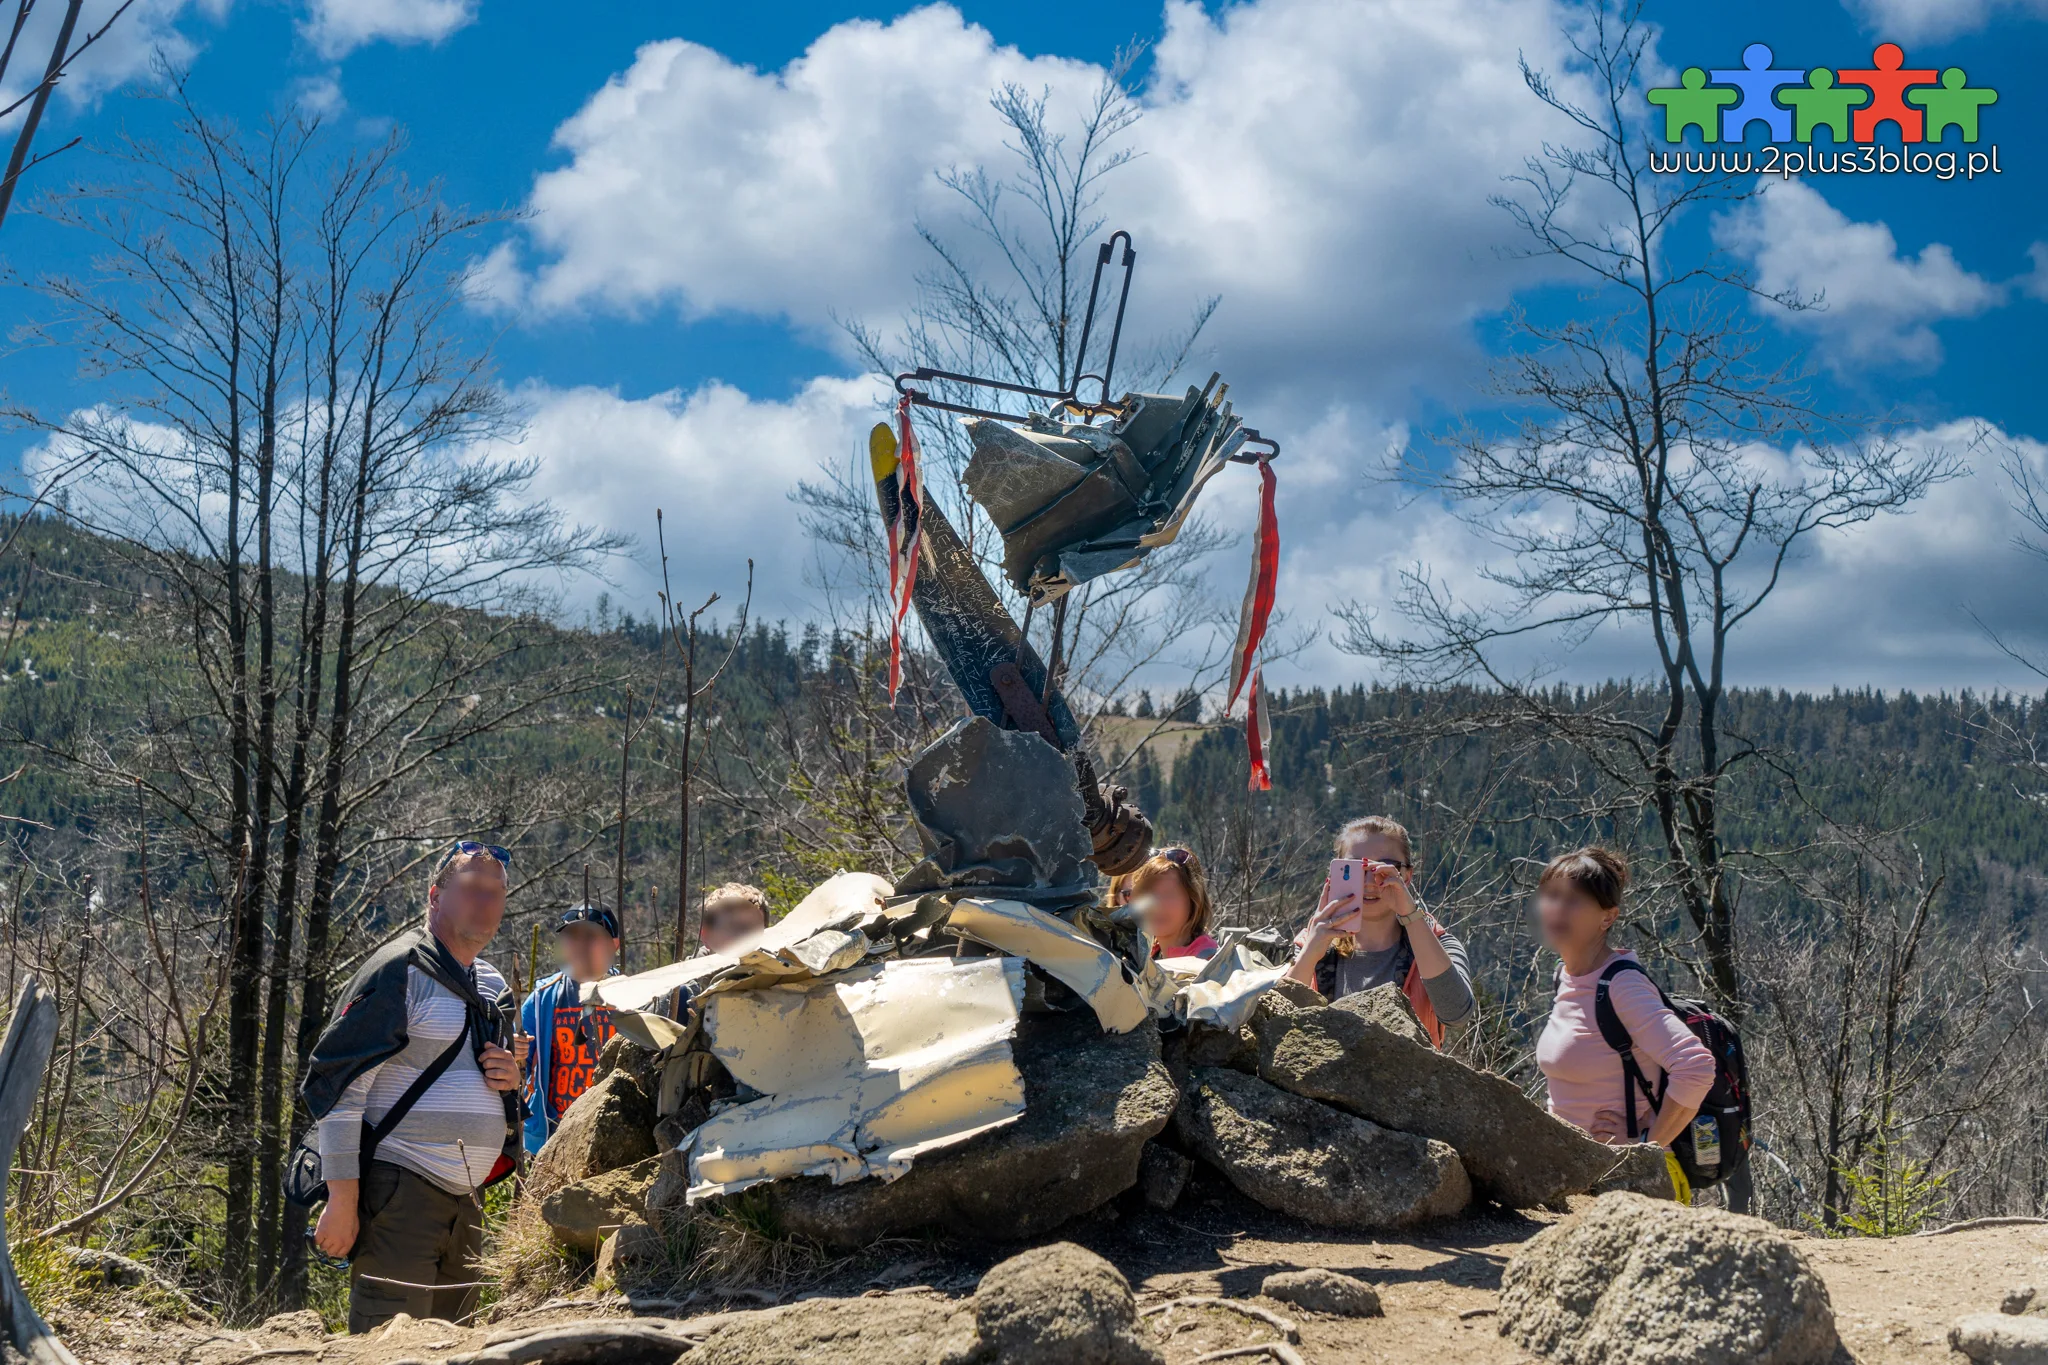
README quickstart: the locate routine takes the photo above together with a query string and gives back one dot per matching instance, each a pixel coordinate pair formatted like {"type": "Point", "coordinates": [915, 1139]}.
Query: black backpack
{"type": "Point", "coordinates": [1716, 1143]}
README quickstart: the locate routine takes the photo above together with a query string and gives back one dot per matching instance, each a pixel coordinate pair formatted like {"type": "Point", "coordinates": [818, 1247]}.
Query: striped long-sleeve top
{"type": "Point", "coordinates": [455, 1132]}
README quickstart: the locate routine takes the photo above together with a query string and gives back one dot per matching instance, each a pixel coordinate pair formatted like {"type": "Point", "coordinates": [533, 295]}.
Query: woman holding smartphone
{"type": "Point", "coordinates": [1369, 930]}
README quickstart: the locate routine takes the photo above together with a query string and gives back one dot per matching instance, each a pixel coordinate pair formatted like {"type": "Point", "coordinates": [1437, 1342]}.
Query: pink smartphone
{"type": "Point", "coordinates": [1347, 878]}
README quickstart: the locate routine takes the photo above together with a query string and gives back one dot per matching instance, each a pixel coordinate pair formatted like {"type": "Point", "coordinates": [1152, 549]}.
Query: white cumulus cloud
{"type": "Point", "coordinates": [1908, 21]}
{"type": "Point", "coordinates": [1877, 301]}
{"type": "Point", "coordinates": [338, 27]}
{"type": "Point", "coordinates": [1323, 166]}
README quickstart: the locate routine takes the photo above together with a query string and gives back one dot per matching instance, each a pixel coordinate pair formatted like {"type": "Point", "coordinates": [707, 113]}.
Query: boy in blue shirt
{"type": "Point", "coordinates": [566, 1037]}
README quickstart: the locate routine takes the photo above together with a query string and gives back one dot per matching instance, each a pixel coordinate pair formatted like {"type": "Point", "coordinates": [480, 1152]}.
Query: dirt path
{"type": "Point", "coordinates": [1894, 1301]}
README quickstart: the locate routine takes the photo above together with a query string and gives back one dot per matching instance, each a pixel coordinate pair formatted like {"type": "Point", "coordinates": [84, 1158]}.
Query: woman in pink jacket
{"type": "Point", "coordinates": [1577, 902]}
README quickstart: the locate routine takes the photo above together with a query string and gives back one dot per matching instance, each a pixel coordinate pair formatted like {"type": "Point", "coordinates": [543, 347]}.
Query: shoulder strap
{"type": "Point", "coordinates": [419, 1087]}
{"type": "Point", "coordinates": [1617, 1036]}
{"type": "Point", "coordinates": [1612, 1029]}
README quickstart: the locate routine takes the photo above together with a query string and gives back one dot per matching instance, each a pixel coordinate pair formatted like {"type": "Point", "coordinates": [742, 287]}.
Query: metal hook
{"type": "Point", "coordinates": [1251, 435]}
{"type": "Point", "coordinates": [1068, 397]}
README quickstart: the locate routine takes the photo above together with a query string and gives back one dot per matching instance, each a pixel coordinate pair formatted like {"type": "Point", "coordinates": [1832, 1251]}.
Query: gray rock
{"type": "Point", "coordinates": [1518, 1154]}
{"type": "Point", "coordinates": [2001, 1339]}
{"type": "Point", "coordinates": [583, 1214]}
{"type": "Point", "coordinates": [621, 1053]}
{"type": "Point", "coordinates": [1163, 1175]}
{"type": "Point", "coordinates": [1091, 1101]}
{"type": "Point", "coordinates": [1323, 1291]}
{"type": "Point", "coordinates": [610, 1125]}
{"type": "Point", "coordinates": [1314, 1162]}
{"type": "Point", "coordinates": [1388, 1007]}
{"type": "Point", "coordinates": [2017, 1300]}
{"type": "Point", "coordinates": [1637, 1281]}
{"type": "Point", "coordinates": [887, 1330]}
{"type": "Point", "coordinates": [998, 813]}
{"type": "Point", "coordinates": [1058, 1305]}
{"type": "Point", "coordinates": [636, 1258]}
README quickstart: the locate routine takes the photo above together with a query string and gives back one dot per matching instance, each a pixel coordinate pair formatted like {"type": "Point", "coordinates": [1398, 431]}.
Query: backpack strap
{"type": "Point", "coordinates": [422, 1083]}
{"type": "Point", "coordinates": [1616, 1035]}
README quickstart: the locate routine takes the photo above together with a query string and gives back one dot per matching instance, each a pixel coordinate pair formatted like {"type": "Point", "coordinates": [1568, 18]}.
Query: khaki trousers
{"type": "Point", "coordinates": [416, 1233]}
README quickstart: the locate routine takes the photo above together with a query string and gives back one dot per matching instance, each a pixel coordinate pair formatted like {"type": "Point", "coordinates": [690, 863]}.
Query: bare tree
{"type": "Point", "coordinates": [302, 451]}
{"type": "Point", "coordinates": [65, 49]}
{"type": "Point", "coordinates": [1662, 481]}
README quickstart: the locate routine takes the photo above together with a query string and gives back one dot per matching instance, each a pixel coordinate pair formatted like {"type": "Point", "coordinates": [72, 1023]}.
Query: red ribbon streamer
{"type": "Point", "coordinates": [1258, 734]}
{"type": "Point", "coordinates": [904, 539]}
{"type": "Point", "coordinates": [1258, 594]}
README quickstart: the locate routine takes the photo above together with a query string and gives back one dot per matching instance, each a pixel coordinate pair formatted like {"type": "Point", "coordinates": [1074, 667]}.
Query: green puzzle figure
{"type": "Point", "coordinates": [1820, 103]}
{"type": "Point", "coordinates": [1953, 104]}
{"type": "Point", "coordinates": [1693, 106]}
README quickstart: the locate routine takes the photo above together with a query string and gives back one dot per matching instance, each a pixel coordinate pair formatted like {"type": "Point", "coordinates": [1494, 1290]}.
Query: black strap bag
{"type": "Point", "coordinates": [1716, 1143]}
{"type": "Point", "coordinates": [303, 1183]}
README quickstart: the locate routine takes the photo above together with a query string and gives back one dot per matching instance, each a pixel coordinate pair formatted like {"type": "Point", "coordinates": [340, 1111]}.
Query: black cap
{"type": "Point", "coordinates": [589, 914]}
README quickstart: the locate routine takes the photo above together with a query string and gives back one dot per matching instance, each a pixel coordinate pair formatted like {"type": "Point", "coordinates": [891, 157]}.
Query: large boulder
{"type": "Point", "coordinates": [1637, 1281]}
{"type": "Point", "coordinates": [585, 1213]}
{"type": "Point", "coordinates": [1314, 1162]}
{"type": "Point", "coordinates": [1058, 1305]}
{"type": "Point", "coordinates": [1091, 1099]}
{"type": "Point", "coordinates": [609, 1126]}
{"type": "Point", "coordinates": [2001, 1339]}
{"type": "Point", "coordinates": [1517, 1152]}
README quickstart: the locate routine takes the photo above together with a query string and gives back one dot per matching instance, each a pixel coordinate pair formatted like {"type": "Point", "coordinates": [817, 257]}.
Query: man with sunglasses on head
{"type": "Point", "coordinates": [415, 1094]}
{"type": "Point", "coordinates": [567, 1037]}
{"type": "Point", "coordinates": [1378, 934]}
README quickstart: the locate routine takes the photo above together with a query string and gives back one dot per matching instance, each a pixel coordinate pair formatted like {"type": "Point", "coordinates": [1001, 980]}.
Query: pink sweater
{"type": "Point", "coordinates": [1585, 1074]}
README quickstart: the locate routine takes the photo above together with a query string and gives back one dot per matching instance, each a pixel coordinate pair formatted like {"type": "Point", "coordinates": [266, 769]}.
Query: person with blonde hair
{"type": "Point", "coordinates": [1578, 900]}
{"type": "Point", "coordinates": [1176, 896]}
{"type": "Point", "coordinates": [730, 914]}
{"type": "Point", "coordinates": [1378, 933]}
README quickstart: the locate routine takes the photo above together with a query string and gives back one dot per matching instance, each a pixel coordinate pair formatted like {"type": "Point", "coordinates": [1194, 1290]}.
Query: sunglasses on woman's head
{"type": "Point", "coordinates": [1176, 855]}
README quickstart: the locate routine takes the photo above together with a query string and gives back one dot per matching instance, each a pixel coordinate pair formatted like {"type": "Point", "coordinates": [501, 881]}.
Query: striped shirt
{"type": "Point", "coordinates": [453, 1135]}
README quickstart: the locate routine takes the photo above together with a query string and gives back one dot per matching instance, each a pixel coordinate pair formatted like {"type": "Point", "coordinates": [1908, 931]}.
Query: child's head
{"type": "Point", "coordinates": [1178, 911]}
{"type": "Point", "coordinates": [588, 936]}
{"type": "Point", "coordinates": [733, 913]}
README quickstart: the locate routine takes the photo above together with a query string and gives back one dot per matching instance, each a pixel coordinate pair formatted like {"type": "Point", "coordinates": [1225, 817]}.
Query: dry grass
{"type": "Point", "coordinates": [523, 1256]}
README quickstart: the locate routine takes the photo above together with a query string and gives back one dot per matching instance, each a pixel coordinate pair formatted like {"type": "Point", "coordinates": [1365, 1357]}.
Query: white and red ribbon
{"type": "Point", "coordinates": [904, 535]}
{"type": "Point", "coordinates": [1258, 733]}
{"type": "Point", "coordinates": [1258, 594]}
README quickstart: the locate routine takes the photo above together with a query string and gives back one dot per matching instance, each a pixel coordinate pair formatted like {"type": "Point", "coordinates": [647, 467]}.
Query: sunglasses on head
{"type": "Point", "coordinates": [1176, 855]}
{"type": "Point", "coordinates": [471, 846]}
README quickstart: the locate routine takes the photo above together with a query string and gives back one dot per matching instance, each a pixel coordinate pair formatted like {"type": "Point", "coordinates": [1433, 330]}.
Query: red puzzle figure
{"type": "Point", "coordinates": [1887, 87]}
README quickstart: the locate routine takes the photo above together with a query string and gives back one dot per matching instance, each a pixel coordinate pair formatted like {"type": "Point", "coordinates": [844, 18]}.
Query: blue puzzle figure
{"type": "Point", "coordinates": [1757, 80]}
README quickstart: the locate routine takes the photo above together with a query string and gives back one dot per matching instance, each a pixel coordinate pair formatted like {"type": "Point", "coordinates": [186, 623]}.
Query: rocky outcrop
{"type": "Point", "coordinates": [1314, 1162]}
{"type": "Point", "coordinates": [609, 1126]}
{"type": "Point", "coordinates": [585, 1213]}
{"type": "Point", "coordinates": [881, 1331]}
{"type": "Point", "coordinates": [636, 1257]}
{"type": "Point", "coordinates": [1388, 1007]}
{"type": "Point", "coordinates": [1636, 1281]}
{"type": "Point", "coordinates": [1091, 1100]}
{"type": "Point", "coordinates": [1516, 1152]}
{"type": "Point", "coordinates": [1323, 1291]}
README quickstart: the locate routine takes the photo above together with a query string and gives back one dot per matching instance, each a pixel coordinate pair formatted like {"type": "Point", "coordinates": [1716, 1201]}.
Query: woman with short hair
{"type": "Point", "coordinates": [1578, 901]}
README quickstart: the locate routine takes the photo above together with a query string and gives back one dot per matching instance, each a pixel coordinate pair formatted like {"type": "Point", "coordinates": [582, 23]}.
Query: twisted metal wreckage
{"type": "Point", "coordinates": [874, 1023]}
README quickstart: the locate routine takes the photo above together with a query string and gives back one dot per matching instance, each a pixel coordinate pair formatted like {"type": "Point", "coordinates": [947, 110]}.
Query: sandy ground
{"type": "Point", "coordinates": [1894, 1300]}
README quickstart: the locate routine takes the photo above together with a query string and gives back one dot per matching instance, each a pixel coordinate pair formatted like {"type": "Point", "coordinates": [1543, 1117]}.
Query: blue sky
{"type": "Point", "coordinates": [667, 309]}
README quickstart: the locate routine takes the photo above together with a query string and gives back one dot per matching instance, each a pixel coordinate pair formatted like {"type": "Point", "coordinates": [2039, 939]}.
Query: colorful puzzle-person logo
{"type": "Point", "coordinates": [1921, 105]}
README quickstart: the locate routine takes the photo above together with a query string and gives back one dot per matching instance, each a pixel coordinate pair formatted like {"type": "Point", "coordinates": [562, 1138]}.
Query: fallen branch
{"type": "Point", "coordinates": [1279, 1350]}
{"type": "Point", "coordinates": [1284, 1326]}
{"type": "Point", "coordinates": [1972, 1224]}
